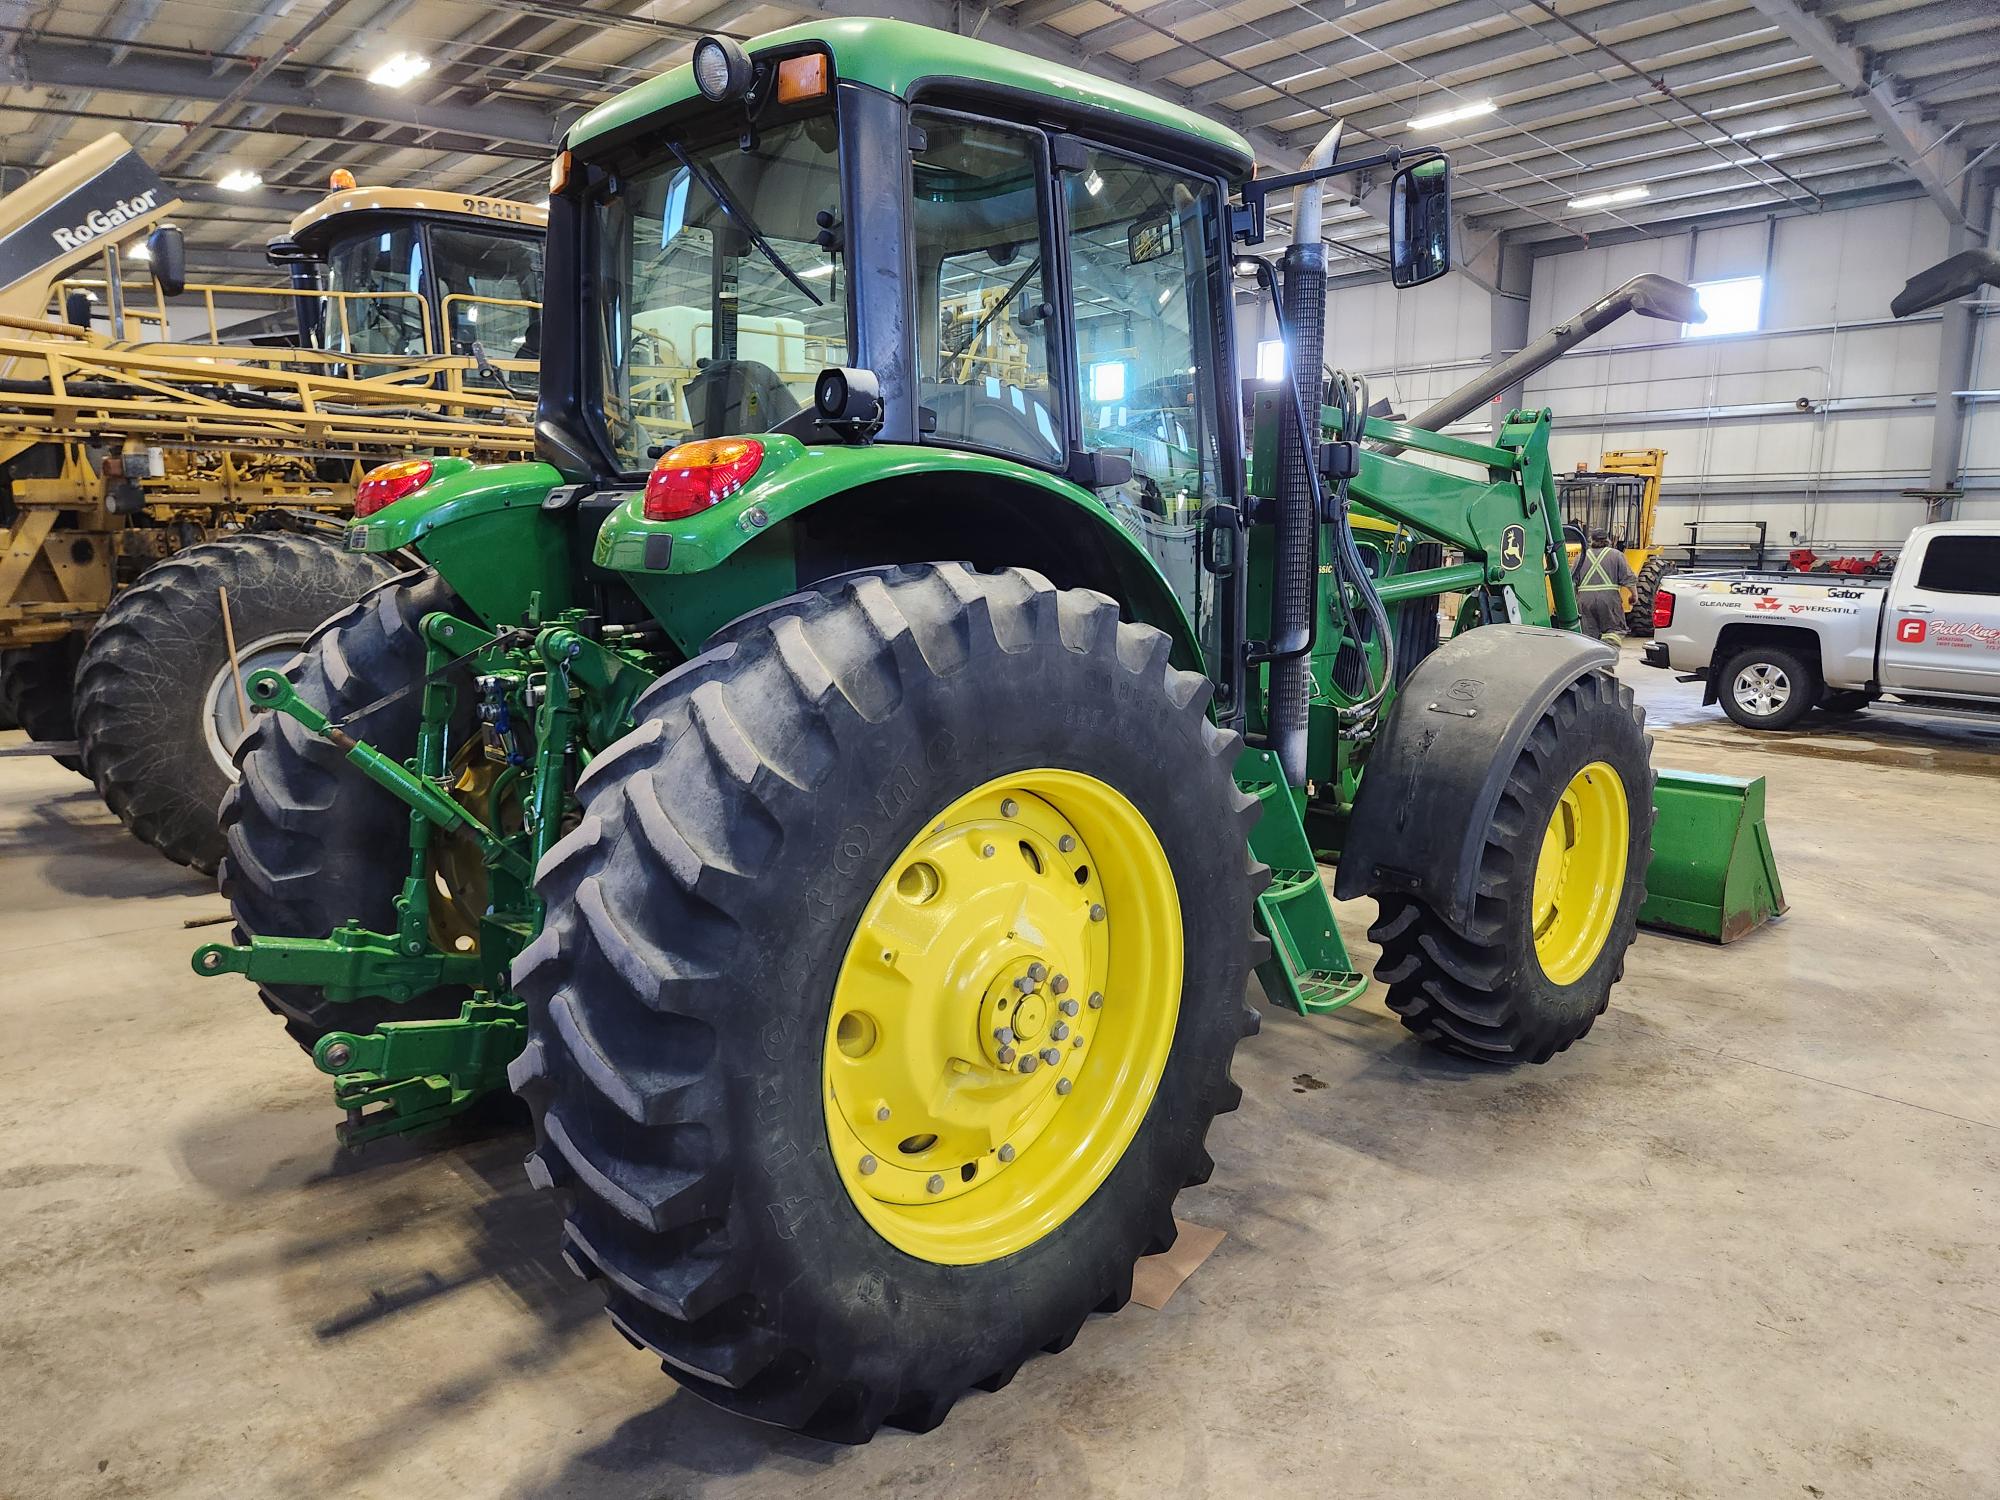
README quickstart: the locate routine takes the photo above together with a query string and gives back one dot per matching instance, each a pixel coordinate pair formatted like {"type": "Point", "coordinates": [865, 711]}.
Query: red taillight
{"type": "Point", "coordinates": [390, 483]}
{"type": "Point", "coordinates": [695, 476]}
{"type": "Point", "coordinates": [1663, 609]}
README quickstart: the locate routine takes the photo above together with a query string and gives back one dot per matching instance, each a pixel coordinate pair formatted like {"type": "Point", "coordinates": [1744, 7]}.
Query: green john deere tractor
{"type": "Point", "coordinates": [846, 785]}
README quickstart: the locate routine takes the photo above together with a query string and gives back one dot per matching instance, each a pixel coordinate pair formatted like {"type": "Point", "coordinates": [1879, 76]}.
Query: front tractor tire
{"type": "Point", "coordinates": [1562, 875]}
{"type": "Point", "coordinates": [311, 842]}
{"type": "Point", "coordinates": [158, 719]}
{"type": "Point", "coordinates": [890, 983]}
{"type": "Point", "coordinates": [37, 692]}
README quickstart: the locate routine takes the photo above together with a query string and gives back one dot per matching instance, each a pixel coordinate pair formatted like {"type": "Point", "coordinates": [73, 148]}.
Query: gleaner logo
{"type": "Point", "coordinates": [102, 220]}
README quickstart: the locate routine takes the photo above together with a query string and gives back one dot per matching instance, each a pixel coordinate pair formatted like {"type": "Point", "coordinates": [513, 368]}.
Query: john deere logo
{"type": "Point", "coordinates": [1513, 546]}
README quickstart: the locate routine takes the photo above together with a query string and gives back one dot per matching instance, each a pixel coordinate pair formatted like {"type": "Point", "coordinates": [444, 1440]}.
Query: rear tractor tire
{"type": "Point", "coordinates": [37, 691]}
{"type": "Point", "coordinates": [157, 714]}
{"type": "Point", "coordinates": [311, 842]}
{"type": "Point", "coordinates": [889, 986]}
{"type": "Point", "coordinates": [1561, 879]}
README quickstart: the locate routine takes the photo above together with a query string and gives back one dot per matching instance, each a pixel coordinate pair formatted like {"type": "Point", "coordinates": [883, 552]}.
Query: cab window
{"type": "Point", "coordinates": [1145, 269]}
{"type": "Point", "coordinates": [985, 324]}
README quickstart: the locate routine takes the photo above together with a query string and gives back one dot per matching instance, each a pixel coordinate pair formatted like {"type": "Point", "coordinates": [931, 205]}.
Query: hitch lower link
{"type": "Point", "coordinates": [404, 1075]}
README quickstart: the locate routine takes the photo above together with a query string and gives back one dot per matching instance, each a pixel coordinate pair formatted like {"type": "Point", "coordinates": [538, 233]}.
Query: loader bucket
{"type": "Point", "coordinates": [1713, 874]}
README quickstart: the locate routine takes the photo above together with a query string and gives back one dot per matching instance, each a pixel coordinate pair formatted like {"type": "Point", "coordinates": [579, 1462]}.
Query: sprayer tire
{"type": "Point", "coordinates": [311, 842]}
{"type": "Point", "coordinates": [1482, 992]}
{"type": "Point", "coordinates": [37, 688]}
{"type": "Point", "coordinates": [679, 998]}
{"type": "Point", "coordinates": [148, 684]}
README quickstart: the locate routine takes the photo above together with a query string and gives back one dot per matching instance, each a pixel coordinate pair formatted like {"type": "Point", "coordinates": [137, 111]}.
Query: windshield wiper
{"type": "Point", "coordinates": [743, 220]}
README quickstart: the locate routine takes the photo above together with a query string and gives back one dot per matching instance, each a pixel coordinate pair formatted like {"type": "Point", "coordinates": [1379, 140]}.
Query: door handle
{"type": "Point", "coordinates": [1914, 609]}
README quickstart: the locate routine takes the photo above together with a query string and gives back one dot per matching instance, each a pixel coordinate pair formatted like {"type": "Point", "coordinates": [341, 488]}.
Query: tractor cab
{"type": "Point", "coordinates": [393, 275]}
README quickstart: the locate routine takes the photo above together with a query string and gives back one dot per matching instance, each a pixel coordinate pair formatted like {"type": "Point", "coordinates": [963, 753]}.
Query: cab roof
{"type": "Point", "coordinates": [900, 57]}
{"type": "Point", "coordinates": [470, 208]}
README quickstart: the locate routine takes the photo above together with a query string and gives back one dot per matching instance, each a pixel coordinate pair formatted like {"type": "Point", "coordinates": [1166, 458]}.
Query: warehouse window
{"type": "Point", "coordinates": [1733, 306]}
{"type": "Point", "coordinates": [1270, 360]}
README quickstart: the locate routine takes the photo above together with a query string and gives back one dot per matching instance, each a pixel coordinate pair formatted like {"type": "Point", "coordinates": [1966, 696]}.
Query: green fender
{"type": "Point", "coordinates": [484, 530]}
{"type": "Point", "coordinates": [744, 546]}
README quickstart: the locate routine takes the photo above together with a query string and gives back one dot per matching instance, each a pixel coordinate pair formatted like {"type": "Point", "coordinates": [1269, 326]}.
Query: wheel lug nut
{"type": "Point", "coordinates": [1066, 844]}
{"type": "Point", "coordinates": [1077, 1040]}
{"type": "Point", "coordinates": [1058, 1031]}
{"type": "Point", "coordinates": [1004, 1036]}
{"type": "Point", "coordinates": [1009, 808]}
{"type": "Point", "coordinates": [1063, 1085]}
{"type": "Point", "coordinates": [1038, 972]}
{"type": "Point", "coordinates": [1051, 1056]}
{"type": "Point", "coordinates": [1006, 1056]}
{"type": "Point", "coordinates": [1029, 1064]}
{"type": "Point", "coordinates": [867, 1165]}
{"type": "Point", "coordinates": [1096, 912]}
{"type": "Point", "coordinates": [1096, 999]}
{"type": "Point", "coordinates": [1025, 985]}
{"type": "Point", "coordinates": [1059, 984]}
{"type": "Point", "coordinates": [882, 1112]}
{"type": "Point", "coordinates": [1007, 1152]}
{"type": "Point", "coordinates": [1068, 1007]}
{"type": "Point", "coordinates": [935, 1185]}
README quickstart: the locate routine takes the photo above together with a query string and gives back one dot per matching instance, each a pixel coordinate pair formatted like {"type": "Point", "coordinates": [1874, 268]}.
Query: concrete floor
{"type": "Point", "coordinates": [1744, 1239]}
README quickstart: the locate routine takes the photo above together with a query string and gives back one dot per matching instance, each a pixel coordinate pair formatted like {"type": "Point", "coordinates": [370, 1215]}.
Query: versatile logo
{"type": "Point", "coordinates": [101, 221]}
{"type": "Point", "coordinates": [1513, 546]}
{"type": "Point", "coordinates": [1912, 632]}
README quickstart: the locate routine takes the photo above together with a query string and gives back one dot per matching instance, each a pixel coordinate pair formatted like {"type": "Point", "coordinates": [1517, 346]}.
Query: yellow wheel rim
{"type": "Point", "coordinates": [1580, 873]}
{"type": "Point", "coordinates": [1002, 1016]}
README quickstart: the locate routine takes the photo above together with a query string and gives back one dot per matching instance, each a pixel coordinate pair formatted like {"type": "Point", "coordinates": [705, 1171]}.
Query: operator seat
{"type": "Point", "coordinates": [737, 395]}
{"type": "Point", "coordinates": [982, 420]}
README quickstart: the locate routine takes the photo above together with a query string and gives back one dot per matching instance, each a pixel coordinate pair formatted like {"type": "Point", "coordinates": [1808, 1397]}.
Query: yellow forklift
{"type": "Point", "coordinates": [1620, 497]}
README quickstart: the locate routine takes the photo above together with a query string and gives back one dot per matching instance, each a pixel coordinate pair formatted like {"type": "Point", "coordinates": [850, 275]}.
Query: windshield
{"type": "Point", "coordinates": [377, 303]}
{"type": "Point", "coordinates": [720, 304]}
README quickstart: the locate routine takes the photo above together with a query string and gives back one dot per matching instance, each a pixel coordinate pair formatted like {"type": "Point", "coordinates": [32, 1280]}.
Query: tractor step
{"type": "Point", "coordinates": [1713, 873]}
{"type": "Point", "coordinates": [1308, 969]}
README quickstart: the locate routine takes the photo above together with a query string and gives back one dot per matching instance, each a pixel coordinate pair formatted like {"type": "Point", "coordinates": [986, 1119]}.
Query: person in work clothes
{"type": "Point", "coordinates": [1600, 573]}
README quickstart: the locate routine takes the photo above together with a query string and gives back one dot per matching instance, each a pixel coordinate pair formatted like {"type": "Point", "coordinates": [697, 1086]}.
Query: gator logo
{"type": "Point", "coordinates": [1513, 546]}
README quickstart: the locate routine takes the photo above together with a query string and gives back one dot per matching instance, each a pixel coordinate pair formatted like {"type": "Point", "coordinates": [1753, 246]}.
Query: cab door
{"type": "Point", "coordinates": [1941, 625]}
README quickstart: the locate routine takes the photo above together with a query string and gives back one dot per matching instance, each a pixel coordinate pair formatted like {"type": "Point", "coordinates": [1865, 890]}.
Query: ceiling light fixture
{"type": "Point", "coordinates": [403, 68]}
{"type": "Point", "coordinates": [1605, 200]}
{"type": "Point", "coordinates": [1453, 115]}
{"type": "Point", "coordinates": [239, 181]}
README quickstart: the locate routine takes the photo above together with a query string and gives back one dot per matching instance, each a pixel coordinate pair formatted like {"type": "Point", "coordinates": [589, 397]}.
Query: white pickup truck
{"type": "Point", "coordinates": [1774, 646]}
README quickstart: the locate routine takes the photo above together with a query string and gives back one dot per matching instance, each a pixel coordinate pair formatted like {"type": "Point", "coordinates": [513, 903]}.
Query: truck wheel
{"type": "Point", "coordinates": [311, 842]}
{"type": "Point", "coordinates": [1768, 687]}
{"type": "Point", "coordinates": [1562, 877]}
{"type": "Point", "coordinates": [1639, 619]}
{"type": "Point", "coordinates": [1850, 702]}
{"type": "Point", "coordinates": [890, 984]}
{"type": "Point", "coordinates": [37, 687]}
{"type": "Point", "coordinates": [157, 714]}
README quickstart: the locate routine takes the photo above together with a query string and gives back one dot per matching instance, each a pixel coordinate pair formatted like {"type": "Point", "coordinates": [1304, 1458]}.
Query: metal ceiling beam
{"type": "Point", "coordinates": [1600, 102]}
{"type": "Point", "coordinates": [1700, 200]}
{"type": "Point", "coordinates": [49, 63]}
{"type": "Point", "coordinates": [1915, 142]}
{"type": "Point", "coordinates": [1576, 89]}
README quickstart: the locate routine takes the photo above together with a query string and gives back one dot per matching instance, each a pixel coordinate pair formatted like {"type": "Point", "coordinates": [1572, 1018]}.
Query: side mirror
{"type": "Point", "coordinates": [1959, 276]}
{"type": "Point", "coordinates": [1149, 238]}
{"type": "Point", "coordinates": [166, 250]}
{"type": "Point", "coordinates": [1420, 222]}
